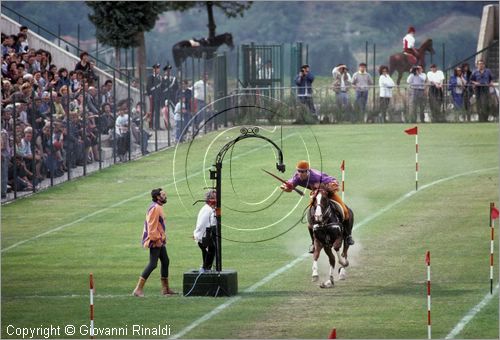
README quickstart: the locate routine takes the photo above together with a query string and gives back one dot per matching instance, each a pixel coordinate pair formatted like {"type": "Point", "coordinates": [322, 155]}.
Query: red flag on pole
{"type": "Point", "coordinates": [333, 334]}
{"type": "Point", "coordinates": [428, 258]}
{"type": "Point", "coordinates": [412, 131]}
{"type": "Point", "coordinates": [494, 213]}
{"type": "Point", "coordinates": [342, 166]}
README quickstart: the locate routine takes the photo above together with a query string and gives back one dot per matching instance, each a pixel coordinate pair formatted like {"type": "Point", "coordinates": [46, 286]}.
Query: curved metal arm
{"type": "Point", "coordinates": [250, 133]}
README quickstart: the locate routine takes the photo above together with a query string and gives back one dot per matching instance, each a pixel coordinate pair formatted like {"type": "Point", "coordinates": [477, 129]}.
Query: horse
{"type": "Point", "coordinates": [403, 62]}
{"type": "Point", "coordinates": [196, 48]}
{"type": "Point", "coordinates": [326, 216]}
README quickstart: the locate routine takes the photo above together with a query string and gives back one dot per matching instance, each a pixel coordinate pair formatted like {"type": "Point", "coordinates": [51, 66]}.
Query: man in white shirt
{"type": "Point", "coordinates": [204, 233]}
{"type": "Point", "coordinates": [341, 82]}
{"type": "Point", "coordinates": [416, 81]}
{"type": "Point", "coordinates": [435, 79]}
{"type": "Point", "coordinates": [201, 89]}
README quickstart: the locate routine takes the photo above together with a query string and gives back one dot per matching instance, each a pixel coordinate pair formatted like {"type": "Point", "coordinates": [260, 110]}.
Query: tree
{"type": "Point", "coordinates": [231, 9]}
{"type": "Point", "coordinates": [121, 24]}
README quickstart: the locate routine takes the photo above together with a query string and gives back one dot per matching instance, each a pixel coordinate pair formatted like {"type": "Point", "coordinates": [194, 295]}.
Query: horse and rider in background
{"type": "Point", "coordinates": [402, 62]}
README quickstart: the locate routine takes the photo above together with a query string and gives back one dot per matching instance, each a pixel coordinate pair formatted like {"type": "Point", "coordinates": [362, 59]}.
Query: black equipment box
{"type": "Point", "coordinates": [210, 283]}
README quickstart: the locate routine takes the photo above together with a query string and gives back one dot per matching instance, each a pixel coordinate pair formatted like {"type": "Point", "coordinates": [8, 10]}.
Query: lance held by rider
{"type": "Point", "coordinates": [312, 179]}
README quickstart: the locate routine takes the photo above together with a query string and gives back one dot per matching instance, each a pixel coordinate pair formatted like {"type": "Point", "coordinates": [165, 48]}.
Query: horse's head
{"type": "Point", "coordinates": [320, 204]}
{"type": "Point", "coordinates": [228, 40]}
{"type": "Point", "coordinates": [427, 46]}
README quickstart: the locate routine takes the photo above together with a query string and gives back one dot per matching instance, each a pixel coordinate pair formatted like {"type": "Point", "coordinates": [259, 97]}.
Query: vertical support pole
{"type": "Point", "coordinates": [126, 62]}
{"type": "Point", "coordinates": [307, 54]}
{"type": "Point", "coordinates": [132, 57]}
{"type": "Point", "coordinates": [492, 244]}
{"type": "Point", "coordinates": [444, 89]}
{"type": "Point", "coordinates": [97, 52]}
{"type": "Point", "coordinates": [143, 107]}
{"type": "Point", "coordinates": [69, 152]}
{"type": "Point", "coordinates": [51, 143]}
{"type": "Point", "coordinates": [342, 167]}
{"type": "Point", "coordinates": [114, 116]}
{"type": "Point", "coordinates": [218, 214]}
{"type": "Point", "coordinates": [91, 306]}
{"type": "Point", "coordinates": [78, 39]}
{"type": "Point", "coordinates": [129, 118]}
{"type": "Point", "coordinates": [374, 76]}
{"type": "Point", "coordinates": [282, 71]}
{"type": "Point", "coordinates": [204, 115]}
{"type": "Point", "coordinates": [366, 52]}
{"type": "Point", "coordinates": [14, 118]}
{"type": "Point", "coordinates": [32, 143]}
{"type": "Point", "coordinates": [59, 35]}
{"type": "Point", "coordinates": [416, 161]}
{"type": "Point", "coordinates": [84, 133]}
{"type": "Point", "coordinates": [99, 105]}
{"type": "Point", "coordinates": [428, 262]}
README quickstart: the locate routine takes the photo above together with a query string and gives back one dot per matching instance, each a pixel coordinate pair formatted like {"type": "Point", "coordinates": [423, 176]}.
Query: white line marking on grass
{"type": "Point", "coordinates": [471, 314]}
{"type": "Point", "coordinates": [291, 264]}
{"type": "Point", "coordinates": [83, 218]}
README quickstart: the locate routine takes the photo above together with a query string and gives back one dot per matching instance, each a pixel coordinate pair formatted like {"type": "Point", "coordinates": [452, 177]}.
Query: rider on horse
{"type": "Point", "coordinates": [409, 44]}
{"type": "Point", "coordinates": [313, 179]}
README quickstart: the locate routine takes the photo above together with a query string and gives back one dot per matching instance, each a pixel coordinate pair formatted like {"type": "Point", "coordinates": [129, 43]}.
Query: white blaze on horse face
{"type": "Point", "coordinates": [318, 213]}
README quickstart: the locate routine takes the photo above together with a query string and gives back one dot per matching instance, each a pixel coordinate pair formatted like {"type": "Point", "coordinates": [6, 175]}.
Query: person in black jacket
{"type": "Point", "coordinates": [153, 90]}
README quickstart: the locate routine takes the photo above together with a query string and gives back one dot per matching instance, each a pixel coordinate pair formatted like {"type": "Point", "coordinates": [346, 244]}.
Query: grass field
{"type": "Point", "coordinates": [53, 240]}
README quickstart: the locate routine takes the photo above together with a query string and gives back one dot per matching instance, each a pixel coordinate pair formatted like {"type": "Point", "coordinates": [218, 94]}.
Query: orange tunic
{"type": "Point", "coordinates": [154, 235]}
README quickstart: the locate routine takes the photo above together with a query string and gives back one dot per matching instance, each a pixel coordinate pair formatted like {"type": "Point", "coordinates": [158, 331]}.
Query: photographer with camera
{"type": "Point", "coordinates": [416, 81]}
{"type": "Point", "coordinates": [304, 82]}
{"type": "Point", "coordinates": [204, 233]}
{"type": "Point", "coordinates": [341, 83]}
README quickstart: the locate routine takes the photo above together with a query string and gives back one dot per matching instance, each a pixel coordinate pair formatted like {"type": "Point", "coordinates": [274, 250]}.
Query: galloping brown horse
{"type": "Point", "coordinates": [327, 234]}
{"type": "Point", "coordinates": [401, 62]}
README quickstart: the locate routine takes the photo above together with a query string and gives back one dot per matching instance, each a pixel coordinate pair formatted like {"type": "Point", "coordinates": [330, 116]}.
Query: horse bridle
{"type": "Point", "coordinates": [325, 215]}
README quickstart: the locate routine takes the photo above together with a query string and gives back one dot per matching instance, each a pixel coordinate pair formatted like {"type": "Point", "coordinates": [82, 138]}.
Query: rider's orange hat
{"type": "Point", "coordinates": [411, 29]}
{"type": "Point", "coordinates": [302, 165]}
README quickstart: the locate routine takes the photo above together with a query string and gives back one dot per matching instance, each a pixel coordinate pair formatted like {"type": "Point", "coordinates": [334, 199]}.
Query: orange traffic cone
{"type": "Point", "coordinates": [333, 334]}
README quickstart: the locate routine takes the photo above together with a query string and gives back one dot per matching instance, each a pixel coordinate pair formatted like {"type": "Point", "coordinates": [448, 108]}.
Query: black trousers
{"type": "Point", "coordinates": [483, 102]}
{"type": "Point", "coordinates": [308, 102]}
{"type": "Point", "coordinates": [207, 254]}
{"type": "Point", "coordinates": [154, 255]}
{"type": "Point", "coordinates": [435, 103]}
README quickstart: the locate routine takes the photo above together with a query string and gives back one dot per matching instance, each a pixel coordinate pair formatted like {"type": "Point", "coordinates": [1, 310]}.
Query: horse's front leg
{"type": "Point", "coordinates": [317, 250]}
{"type": "Point", "coordinates": [329, 283]}
{"type": "Point", "coordinates": [345, 248]}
